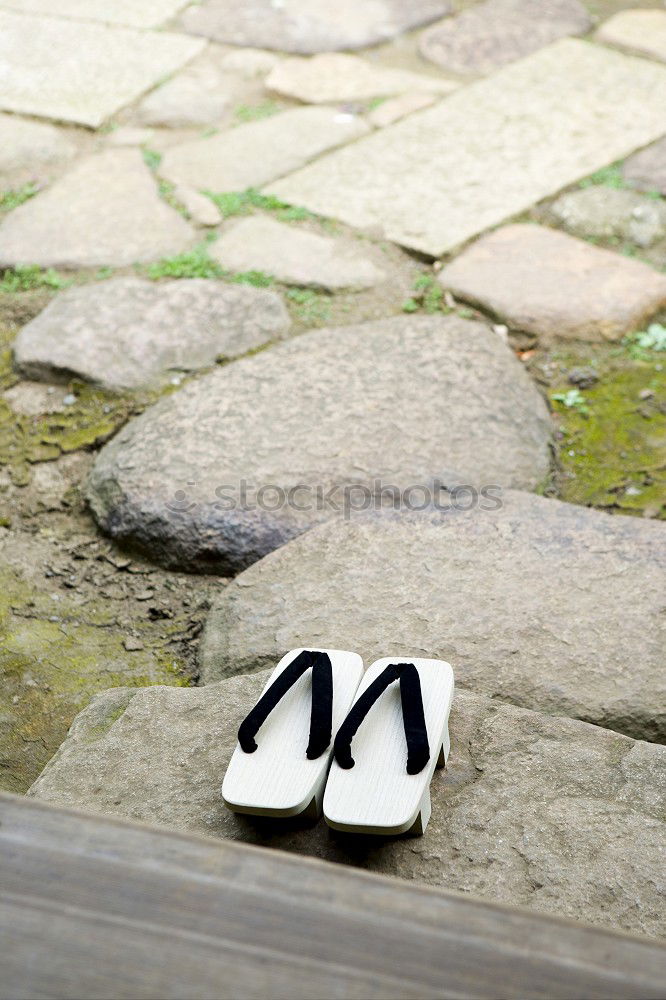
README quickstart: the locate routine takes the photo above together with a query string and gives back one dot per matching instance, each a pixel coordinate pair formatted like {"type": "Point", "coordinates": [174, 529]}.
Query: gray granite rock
{"type": "Point", "coordinates": [104, 212]}
{"type": "Point", "coordinates": [253, 154]}
{"type": "Point", "coordinates": [295, 256]}
{"type": "Point", "coordinates": [127, 332]}
{"type": "Point", "coordinates": [545, 282]}
{"type": "Point", "coordinates": [309, 25]}
{"type": "Point", "coordinates": [491, 34]}
{"type": "Point", "coordinates": [642, 31]}
{"type": "Point", "coordinates": [111, 67]}
{"type": "Point", "coordinates": [404, 400]}
{"type": "Point", "coordinates": [543, 604]}
{"type": "Point", "coordinates": [334, 76]}
{"type": "Point", "coordinates": [146, 14]}
{"type": "Point", "coordinates": [26, 147]}
{"type": "Point", "coordinates": [606, 212]}
{"type": "Point", "coordinates": [646, 170]}
{"type": "Point", "coordinates": [489, 150]}
{"type": "Point", "coordinates": [547, 813]}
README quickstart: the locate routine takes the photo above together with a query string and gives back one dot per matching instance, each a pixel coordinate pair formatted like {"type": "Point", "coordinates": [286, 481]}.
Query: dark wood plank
{"type": "Point", "coordinates": [94, 907]}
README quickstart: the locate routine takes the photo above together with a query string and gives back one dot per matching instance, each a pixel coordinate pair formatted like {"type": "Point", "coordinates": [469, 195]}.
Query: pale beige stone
{"type": "Point", "coordinates": [253, 154]}
{"type": "Point", "coordinates": [545, 282]}
{"type": "Point", "coordinates": [81, 71]}
{"type": "Point", "coordinates": [399, 107]}
{"type": "Point", "coordinates": [131, 13]}
{"type": "Point", "coordinates": [27, 146]}
{"type": "Point", "coordinates": [201, 94]}
{"type": "Point", "coordinates": [491, 149]}
{"type": "Point", "coordinates": [129, 136]}
{"type": "Point", "coordinates": [199, 208]}
{"type": "Point", "coordinates": [641, 31]}
{"type": "Point", "coordinates": [331, 77]}
{"type": "Point", "coordinates": [250, 63]}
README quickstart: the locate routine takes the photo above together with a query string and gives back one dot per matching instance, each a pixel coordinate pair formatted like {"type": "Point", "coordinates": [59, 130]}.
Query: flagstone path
{"type": "Point", "coordinates": [266, 267]}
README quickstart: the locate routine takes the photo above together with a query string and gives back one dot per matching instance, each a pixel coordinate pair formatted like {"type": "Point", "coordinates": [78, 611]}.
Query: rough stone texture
{"type": "Point", "coordinates": [491, 149]}
{"type": "Point", "coordinates": [127, 332]}
{"type": "Point", "coordinates": [253, 154]}
{"type": "Point", "coordinates": [202, 94]}
{"type": "Point", "coordinates": [105, 211]}
{"type": "Point", "coordinates": [406, 399]}
{"type": "Point", "coordinates": [113, 66]}
{"type": "Point", "coordinates": [533, 811]}
{"type": "Point", "coordinates": [497, 32]}
{"type": "Point", "coordinates": [27, 146]}
{"type": "Point", "coordinates": [332, 77]}
{"type": "Point", "coordinates": [146, 14]}
{"type": "Point", "coordinates": [250, 63]}
{"type": "Point", "coordinates": [399, 107]}
{"type": "Point", "coordinates": [607, 212]}
{"type": "Point", "coordinates": [295, 256]}
{"type": "Point", "coordinates": [310, 25]}
{"type": "Point", "coordinates": [551, 284]}
{"type": "Point", "coordinates": [647, 170]}
{"type": "Point", "coordinates": [199, 208]}
{"type": "Point", "coordinates": [641, 31]}
{"type": "Point", "coordinates": [547, 605]}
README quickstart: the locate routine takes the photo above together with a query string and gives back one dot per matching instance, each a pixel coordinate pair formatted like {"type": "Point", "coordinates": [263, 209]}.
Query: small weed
{"type": "Point", "coordinates": [26, 279]}
{"type": "Point", "coordinates": [573, 399]}
{"type": "Point", "coordinates": [311, 307]}
{"type": "Point", "coordinates": [640, 344]}
{"type": "Point", "coordinates": [12, 199]}
{"type": "Point", "coordinates": [194, 264]}
{"type": "Point", "coordinates": [151, 158]}
{"type": "Point", "coordinates": [255, 278]}
{"type": "Point", "coordinates": [242, 202]}
{"type": "Point", "coordinates": [608, 176]}
{"type": "Point", "coordinates": [428, 295]}
{"type": "Point", "coordinates": [255, 112]}
{"type": "Point", "coordinates": [104, 273]}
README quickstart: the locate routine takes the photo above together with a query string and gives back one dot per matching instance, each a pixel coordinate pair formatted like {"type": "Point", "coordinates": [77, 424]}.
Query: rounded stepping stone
{"type": "Point", "coordinates": [332, 77]}
{"type": "Point", "coordinates": [26, 146]}
{"type": "Point", "coordinates": [647, 170]}
{"type": "Point", "coordinates": [570, 814]}
{"type": "Point", "coordinates": [253, 154]}
{"type": "Point", "coordinates": [576, 291]}
{"type": "Point", "coordinates": [104, 212]}
{"type": "Point", "coordinates": [295, 256]}
{"type": "Point", "coordinates": [497, 32]}
{"type": "Point", "coordinates": [308, 26]}
{"type": "Point", "coordinates": [240, 461]}
{"type": "Point", "coordinates": [544, 604]}
{"type": "Point", "coordinates": [642, 31]}
{"type": "Point", "coordinates": [127, 332]}
{"type": "Point", "coordinates": [111, 68]}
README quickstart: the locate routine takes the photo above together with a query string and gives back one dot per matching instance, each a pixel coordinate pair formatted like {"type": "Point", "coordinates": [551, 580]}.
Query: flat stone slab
{"type": "Point", "coordinates": [201, 94]}
{"type": "Point", "coordinates": [127, 332]}
{"type": "Point", "coordinates": [254, 154]}
{"type": "Point", "coordinates": [308, 26]}
{"type": "Point", "coordinates": [646, 170]}
{"type": "Point", "coordinates": [548, 813]}
{"type": "Point", "coordinates": [543, 604]}
{"type": "Point", "coordinates": [641, 31]}
{"type": "Point", "coordinates": [232, 466]}
{"type": "Point", "coordinates": [605, 212]}
{"type": "Point", "coordinates": [295, 256]}
{"type": "Point", "coordinates": [146, 14]}
{"type": "Point", "coordinates": [334, 76]}
{"type": "Point", "coordinates": [491, 149]}
{"type": "Point", "coordinates": [27, 146]}
{"type": "Point", "coordinates": [548, 283]}
{"type": "Point", "coordinates": [104, 212]}
{"type": "Point", "coordinates": [399, 107]}
{"type": "Point", "coordinates": [497, 32]}
{"type": "Point", "coordinates": [113, 66]}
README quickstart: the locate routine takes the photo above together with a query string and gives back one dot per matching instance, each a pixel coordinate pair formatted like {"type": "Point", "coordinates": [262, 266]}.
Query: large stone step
{"type": "Point", "coordinates": [547, 813]}
{"type": "Point", "coordinates": [536, 602]}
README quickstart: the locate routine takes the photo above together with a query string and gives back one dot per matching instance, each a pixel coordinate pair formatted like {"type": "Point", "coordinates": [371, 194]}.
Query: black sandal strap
{"type": "Point", "coordinates": [321, 713]}
{"type": "Point", "coordinates": [416, 734]}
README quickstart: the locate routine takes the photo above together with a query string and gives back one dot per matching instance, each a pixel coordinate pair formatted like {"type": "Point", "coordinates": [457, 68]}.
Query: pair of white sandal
{"type": "Point", "coordinates": [396, 717]}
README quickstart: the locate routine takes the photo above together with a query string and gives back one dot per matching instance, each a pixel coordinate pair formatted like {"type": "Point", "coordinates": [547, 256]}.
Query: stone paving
{"type": "Point", "coordinates": [301, 250]}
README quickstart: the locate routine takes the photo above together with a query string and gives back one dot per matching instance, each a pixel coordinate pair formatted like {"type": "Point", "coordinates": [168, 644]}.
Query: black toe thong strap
{"type": "Point", "coordinates": [321, 713]}
{"type": "Point", "coordinates": [416, 734]}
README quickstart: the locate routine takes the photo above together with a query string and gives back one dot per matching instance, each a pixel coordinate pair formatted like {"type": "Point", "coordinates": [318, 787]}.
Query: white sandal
{"type": "Point", "coordinates": [385, 787]}
{"type": "Point", "coordinates": [283, 771]}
